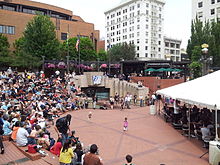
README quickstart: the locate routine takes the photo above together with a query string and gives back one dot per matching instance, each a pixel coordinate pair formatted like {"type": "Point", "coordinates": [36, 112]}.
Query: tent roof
{"type": "Point", "coordinates": [203, 91]}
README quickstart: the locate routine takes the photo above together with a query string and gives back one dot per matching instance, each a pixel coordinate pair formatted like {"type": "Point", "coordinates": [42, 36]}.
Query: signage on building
{"type": "Point", "coordinates": [97, 80]}
{"type": "Point", "coordinates": [153, 64]}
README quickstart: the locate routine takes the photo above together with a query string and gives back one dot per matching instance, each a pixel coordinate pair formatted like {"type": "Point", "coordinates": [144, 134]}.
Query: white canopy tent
{"type": "Point", "coordinates": [203, 91]}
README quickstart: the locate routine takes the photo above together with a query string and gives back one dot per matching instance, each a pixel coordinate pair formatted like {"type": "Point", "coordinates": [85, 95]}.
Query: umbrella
{"type": "Point", "coordinates": [168, 69]}
{"type": "Point", "coordinates": [103, 66]}
{"type": "Point", "coordinates": [161, 70]}
{"type": "Point", "coordinates": [150, 70]}
{"type": "Point", "coordinates": [177, 70]}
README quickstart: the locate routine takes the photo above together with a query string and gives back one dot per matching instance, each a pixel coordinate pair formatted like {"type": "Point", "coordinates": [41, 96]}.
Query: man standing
{"type": "Point", "coordinates": [62, 127]}
{"type": "Point", "coordinates": [92, 158]}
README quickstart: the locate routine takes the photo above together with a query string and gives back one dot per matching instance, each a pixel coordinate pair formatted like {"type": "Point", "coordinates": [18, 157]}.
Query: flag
{"type": "Point", "coordinates": [77, 44]}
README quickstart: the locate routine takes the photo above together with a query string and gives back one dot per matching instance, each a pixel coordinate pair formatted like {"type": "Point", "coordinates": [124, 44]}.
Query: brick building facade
{"type": "Point", "coordinates": [15, 14]}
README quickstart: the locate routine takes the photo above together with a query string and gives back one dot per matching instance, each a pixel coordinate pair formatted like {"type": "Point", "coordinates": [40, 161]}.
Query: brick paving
{"type": "Point", "coordinates": [149, 139]}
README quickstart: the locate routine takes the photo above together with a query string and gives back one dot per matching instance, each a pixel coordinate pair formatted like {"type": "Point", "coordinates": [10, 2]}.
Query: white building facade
{"type": "Point", "coordinates": [172, 49]}
{"type": "Point", "coordinates": [206, 10]}
{"type": "Point", "coordinates": [140, 22]}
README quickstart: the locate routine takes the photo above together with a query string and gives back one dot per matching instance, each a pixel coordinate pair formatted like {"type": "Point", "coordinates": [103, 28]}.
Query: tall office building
{"type": "Point", "coordinates": [139, 22]}
{"type": "Point", "coordinates": [206, 10]}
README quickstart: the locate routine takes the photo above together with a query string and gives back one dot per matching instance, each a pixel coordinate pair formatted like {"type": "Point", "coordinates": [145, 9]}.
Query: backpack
{"type": "Point", "coordinates": [32, 148]}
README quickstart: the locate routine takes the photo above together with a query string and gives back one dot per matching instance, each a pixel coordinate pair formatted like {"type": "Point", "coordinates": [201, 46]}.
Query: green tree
{"type": "Point", "coordinates": [86, 48]}
{"type": "Point", "coordinates": [195, 68]}
{"type": "Point", "coordinates": [40, 38]}
{"type": "Point", "coordinates": [21, 59]}
{"type": "Point", "coordinates": [4, 46]}
{"type": "Point", "coordinates": [122, 51]}
{"type": "Point", "coordinates": [102, 55]}
{"type": "Point", "coordinates": [4, 50]}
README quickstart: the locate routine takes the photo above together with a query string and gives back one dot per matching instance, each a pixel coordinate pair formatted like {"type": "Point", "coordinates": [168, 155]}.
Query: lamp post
{"type": "Point", "coordinates": [206, 60]}
{"type": "Point", "coordinates": [43, 57]}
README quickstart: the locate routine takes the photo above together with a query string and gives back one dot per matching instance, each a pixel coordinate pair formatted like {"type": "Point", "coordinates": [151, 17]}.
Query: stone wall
{"type": "Point", "coordinates": [114, 84]}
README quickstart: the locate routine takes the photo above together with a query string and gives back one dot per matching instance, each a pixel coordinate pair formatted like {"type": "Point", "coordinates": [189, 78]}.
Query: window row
{"type": "Point", "coordinates": [7, 29]}
{"type": "Point", "coordinates": [200, 4]}
{"type": "Point", "coordinates": [172, 45]}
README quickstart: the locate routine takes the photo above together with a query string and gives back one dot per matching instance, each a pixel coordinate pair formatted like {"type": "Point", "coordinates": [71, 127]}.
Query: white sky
{"type": "Point", "coordinates": [177, 15]}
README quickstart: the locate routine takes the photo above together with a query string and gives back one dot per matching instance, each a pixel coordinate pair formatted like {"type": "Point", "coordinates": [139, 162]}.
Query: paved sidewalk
{"type": "Point", "coordinates": [149, 139]}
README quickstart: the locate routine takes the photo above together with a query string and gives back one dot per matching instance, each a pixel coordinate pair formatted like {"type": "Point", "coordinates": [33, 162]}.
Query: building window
{"type": "Point", "coordinates": [212, 11]}
{"type": "Point", "coordinates": [177, 45]}
{"type": "Point", "coordinates": [7, 29]}
{"type": "Point", "coordinates": [137, 47]}
{"type": "Point", "coordinates": [200, 14]}
{"type": "Point", "coordinates": [167, 44]}
{"type": "Point", "coordinates": [146, 54]}
{"type": "Point", "coordinates": [147, 4]}
{"type": "Point", "coordinates": [63, 36]}
{"type": "Point", "coordinates": [146, 41]}
{"type": "Point", "coordinates": [137, 54]}
{"type": "Point", "coordinates": [159, 42]}
{"type": "Point", "coordinates": [146, 47]}
{"type": "Point", "coordinates": [178, 52]}
{"type": "Point", "coordinates": [138, 26]}
{"type": "Point", "coordinates": [138, 41]}
{"type": "Point", "coordinates": [212, 1]}
{"type": "Point", "coordinates": [200, 4]}
{"type": "Point", "coordinates": [138, 5]}
{"type": "Point", "coordinates": [8, 8]}
{"type": "Point", "coordinates": [159, 49]}
{"type": "Point", "coordinates": [171, 51]}
{"type": "Point", "coordinates": [172, 45]}
{"type": "Point", "coordinates": [218, 0]}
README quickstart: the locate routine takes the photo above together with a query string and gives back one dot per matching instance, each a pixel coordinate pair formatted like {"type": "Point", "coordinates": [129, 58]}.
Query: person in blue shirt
{"type": "Point", "coordinates": [1, 133]}
{"type": "Point", "coordinates": [6, 127]}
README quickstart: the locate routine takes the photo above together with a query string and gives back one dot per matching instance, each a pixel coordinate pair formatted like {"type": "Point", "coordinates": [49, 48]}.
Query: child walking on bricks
{"type": "Point", "coordinates": [125, 124]}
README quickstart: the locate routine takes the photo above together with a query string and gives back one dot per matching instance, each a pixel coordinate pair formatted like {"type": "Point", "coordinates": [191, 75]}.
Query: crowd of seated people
{"type": "Point", "coordinates": [199, 120]}
{"type": "Point", "coordinates": [30, 102]}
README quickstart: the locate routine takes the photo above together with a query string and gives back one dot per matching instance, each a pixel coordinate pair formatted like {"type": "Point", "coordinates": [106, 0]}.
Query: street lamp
{"type": "Point", "coordinates": [205, 59]}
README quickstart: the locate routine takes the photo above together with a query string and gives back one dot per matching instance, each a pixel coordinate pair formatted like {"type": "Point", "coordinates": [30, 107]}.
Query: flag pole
{"type": "Point", "coordinates": [79, 54]}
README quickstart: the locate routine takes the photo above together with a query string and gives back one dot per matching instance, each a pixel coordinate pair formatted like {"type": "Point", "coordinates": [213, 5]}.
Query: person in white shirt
{"type": "Point", "coordinates": [22, 136]}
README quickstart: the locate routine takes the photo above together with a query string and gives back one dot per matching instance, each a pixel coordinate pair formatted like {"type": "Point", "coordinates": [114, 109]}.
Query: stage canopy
{"type": "Point", "coordinates": [203, 91]}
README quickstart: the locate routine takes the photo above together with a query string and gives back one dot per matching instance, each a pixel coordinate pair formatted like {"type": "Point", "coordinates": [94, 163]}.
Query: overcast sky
{"type": "Point", "coordinates": [177, 15]}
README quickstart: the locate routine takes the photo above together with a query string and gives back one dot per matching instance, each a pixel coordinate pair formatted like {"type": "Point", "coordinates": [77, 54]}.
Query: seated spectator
{"type": "Point", "coordinates": [66, 153]}
{"type": "Point", "coordinates": [79, 152]}
{"type": "Point", "coordinates": [43, 140]}
{"type": "Point", "coordinates": [22, 136]}
{"type": "Point", "coordinates": [33, 135]}
{"type": "Point", "coordinates": [92, 158]}
{"type": "Point", "coordinates": [55, 149]}
{"type": "Point", "coordinates": [6, 127]}
{"type": "Point", "coordinates": [15, 130]}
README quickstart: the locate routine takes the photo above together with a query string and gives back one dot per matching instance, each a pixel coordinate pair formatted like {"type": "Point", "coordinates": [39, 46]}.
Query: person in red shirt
{"type": "Point", "coordinates": [56, 148]}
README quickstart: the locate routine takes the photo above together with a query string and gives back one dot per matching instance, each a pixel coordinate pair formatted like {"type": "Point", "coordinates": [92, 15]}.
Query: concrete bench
{"type": "Point", "coordinates": [31, 156]}
{"type": "Point", "coordinates": [6, 137]}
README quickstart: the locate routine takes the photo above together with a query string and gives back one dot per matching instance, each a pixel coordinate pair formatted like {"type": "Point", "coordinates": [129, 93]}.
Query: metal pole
{"type": "Point", "coordinates": [68, 65]}
{"type": "Point", "coordinates": [216, 123]}
{"type": "Point", "coordinates": [98, 64]}
{"type": "Point", "coordinates": [79, 54]}
{"type": "Point", "coordinates": [189, 122]}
